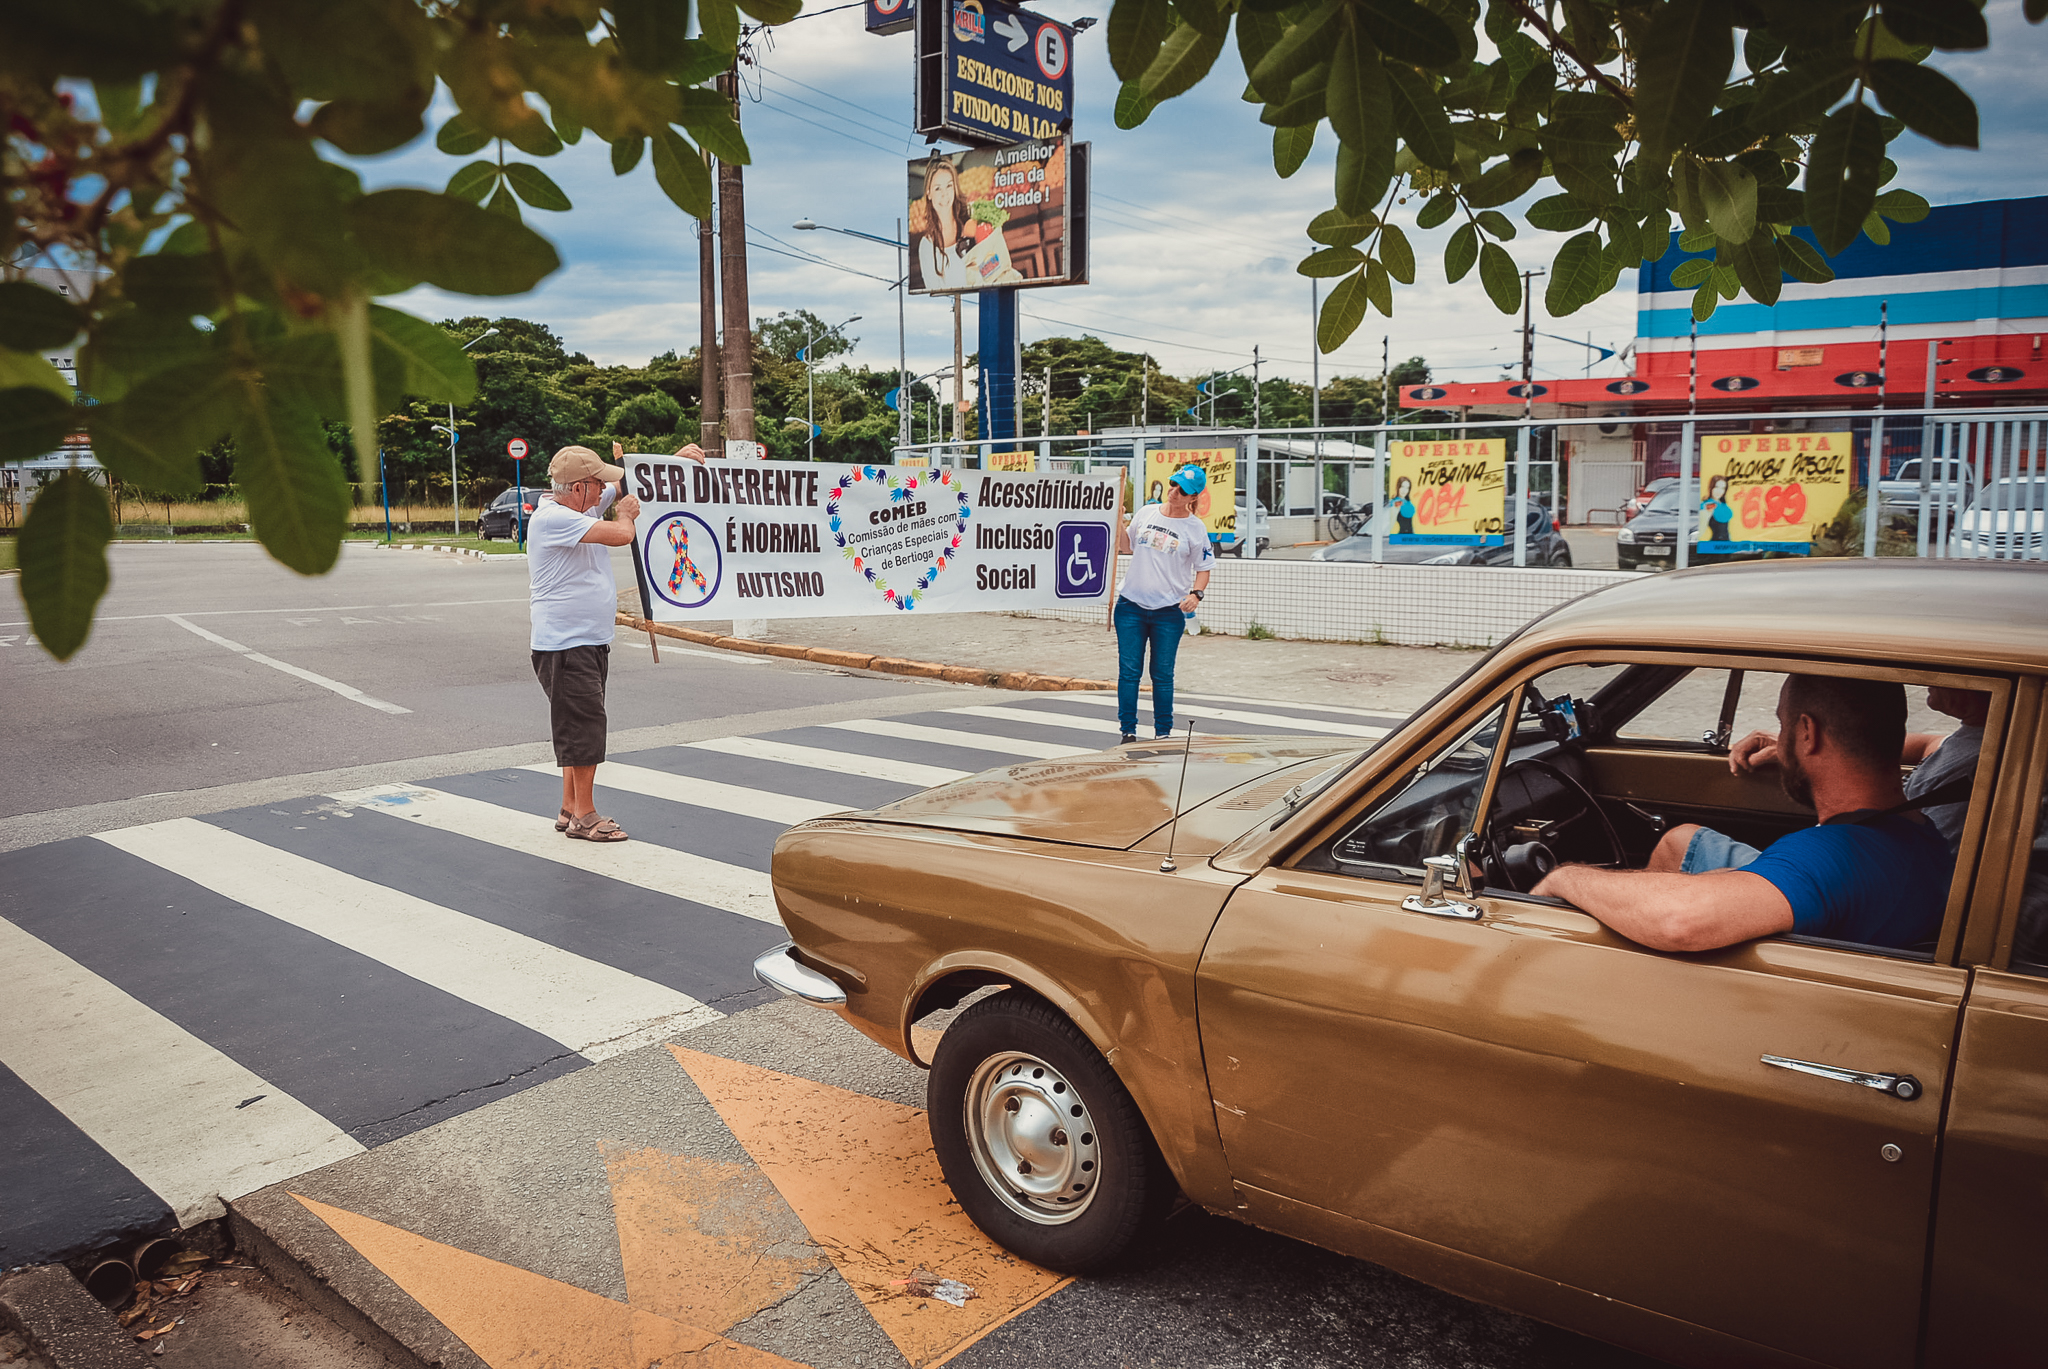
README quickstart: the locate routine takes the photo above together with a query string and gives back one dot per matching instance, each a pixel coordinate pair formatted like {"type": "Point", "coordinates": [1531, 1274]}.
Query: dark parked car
{"type": "Point", "coordinates": [1650, 541]}
{"type": "Point", "coordinates": [1642, 497]}
{"type": "Point", "coordinates": [502, 520]}
{"type": "Point", "coordinates": [1546, 546]}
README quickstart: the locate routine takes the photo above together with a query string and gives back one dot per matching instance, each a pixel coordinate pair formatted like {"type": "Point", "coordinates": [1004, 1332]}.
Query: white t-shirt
{"type": "Point", "coordinates": [1166, 555]}
{"type": "Point", "coordinates": [575, 600]}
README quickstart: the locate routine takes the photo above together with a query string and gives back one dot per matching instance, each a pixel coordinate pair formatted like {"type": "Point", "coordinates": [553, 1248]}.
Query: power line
{"type": "Point", "coordinates": [787, 114]}
{"type": "Point", "coordinates": [820, 90]}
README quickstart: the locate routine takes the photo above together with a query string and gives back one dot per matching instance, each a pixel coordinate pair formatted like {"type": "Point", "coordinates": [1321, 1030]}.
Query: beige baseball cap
{"type": "Point", "coordinates": [580, 463]}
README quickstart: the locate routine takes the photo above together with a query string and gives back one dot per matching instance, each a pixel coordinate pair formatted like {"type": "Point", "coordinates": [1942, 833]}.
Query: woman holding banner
{"type": "Point", "coordinates": [1169, 572]}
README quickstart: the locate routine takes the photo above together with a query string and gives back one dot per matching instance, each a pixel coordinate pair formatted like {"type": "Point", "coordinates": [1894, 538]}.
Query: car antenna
{"type": "Point", "coordinates": [1167, 867]}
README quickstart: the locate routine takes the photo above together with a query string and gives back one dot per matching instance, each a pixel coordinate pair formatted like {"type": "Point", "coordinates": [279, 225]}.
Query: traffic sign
{"type": "Point", "coordinates": [516, 449]}
{"type": "Point", "coordinates": [993, 73]}
{"type": "Point", "coordinates": [892, 16]}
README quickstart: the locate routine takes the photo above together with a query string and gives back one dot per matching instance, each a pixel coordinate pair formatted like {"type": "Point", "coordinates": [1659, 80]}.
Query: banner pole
{"type": "Point", "coordinates": [1116, 529]}
{"type": "Point", "coordinates": [640, 578]}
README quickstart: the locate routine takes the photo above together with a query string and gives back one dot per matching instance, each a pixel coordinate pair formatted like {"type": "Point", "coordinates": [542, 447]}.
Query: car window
{"type": "Point", "coordinates": [1690, 712]}
{"type": "Point", "coordinates": [1425, 815]}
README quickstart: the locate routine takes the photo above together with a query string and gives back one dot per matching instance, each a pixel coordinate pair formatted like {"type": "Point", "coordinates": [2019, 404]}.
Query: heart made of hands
{"type": "Point", "coordinates": [902, 556]}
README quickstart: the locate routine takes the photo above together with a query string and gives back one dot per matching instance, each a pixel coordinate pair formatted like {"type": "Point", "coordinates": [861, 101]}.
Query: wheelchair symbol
{"type": "Point", "coordinates": [1085, 573]}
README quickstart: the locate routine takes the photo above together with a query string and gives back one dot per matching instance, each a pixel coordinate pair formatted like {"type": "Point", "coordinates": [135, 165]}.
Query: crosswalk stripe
{"type": "Point", "coordinates": [845, 763]}
{"type": "Point", "coordinates": [642, 864]}
{"type": "Point", "coordinates": [946, 736]}
{"type": "Point", "coordinates": [1378, 714]}
{"type": "Point", "coordinates": [1036, 717]}
{"type": "Point", "coordinates": [1238, 715]}
{"type": "Point", "coordinates": [591, 1008]}
{"type": "Point", "coordinates": [186, 1120]}
{"type": "Point", "coordinates": [725, 798]}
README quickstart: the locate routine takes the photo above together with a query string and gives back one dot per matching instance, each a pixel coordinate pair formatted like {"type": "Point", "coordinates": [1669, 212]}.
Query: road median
{"type": "Point", "coordinates": [983, 676]}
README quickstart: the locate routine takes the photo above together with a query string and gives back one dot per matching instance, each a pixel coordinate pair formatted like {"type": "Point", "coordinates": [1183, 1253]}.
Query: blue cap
{"type": "Point", "coordinates": [1191, 479]}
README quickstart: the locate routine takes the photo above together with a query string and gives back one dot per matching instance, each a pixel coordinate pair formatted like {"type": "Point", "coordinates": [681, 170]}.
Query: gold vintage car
{"type": "Point", "coordinates": [1789, 1151]}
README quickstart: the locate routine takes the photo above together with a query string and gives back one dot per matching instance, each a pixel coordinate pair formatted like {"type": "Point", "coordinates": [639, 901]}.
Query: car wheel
{"type": "Point", "coordinates": [1561, 558]}
{"type": "Point", "coordinates": [1039, 1140]}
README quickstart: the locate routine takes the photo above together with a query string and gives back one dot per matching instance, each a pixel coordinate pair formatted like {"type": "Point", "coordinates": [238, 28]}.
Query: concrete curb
{"type": "Point", "coordinates": [447, 550]}
{"type": "Point", "coordinates": [51, 1310]}
{"type": "Point", "coordinates": [279, 1236]}
{"type": "Point", "coordinates": [856, 660]}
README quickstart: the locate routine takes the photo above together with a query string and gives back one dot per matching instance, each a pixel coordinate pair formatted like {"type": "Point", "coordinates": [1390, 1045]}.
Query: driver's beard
{"type": "Point", "coordinates": [1793, 779]}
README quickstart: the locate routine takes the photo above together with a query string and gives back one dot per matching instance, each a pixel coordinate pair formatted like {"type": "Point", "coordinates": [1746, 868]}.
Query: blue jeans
{"type": "Point", "coordinates": [1163, 628]}
{"type": "Point", "coordinates": [1710, 850]}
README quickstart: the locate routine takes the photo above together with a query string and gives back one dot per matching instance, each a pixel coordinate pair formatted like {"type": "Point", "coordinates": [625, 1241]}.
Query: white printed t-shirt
{"type": "Point", "coordinates": [575, 600]}
{"type": "Point", "coordinates": [1166, 555]}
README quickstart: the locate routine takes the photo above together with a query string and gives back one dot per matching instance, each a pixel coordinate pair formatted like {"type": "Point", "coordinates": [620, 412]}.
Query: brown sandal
{"type": "Point", "coordinates": [592, 827]}
{"type": "Point", "coordinates": [562, 820]}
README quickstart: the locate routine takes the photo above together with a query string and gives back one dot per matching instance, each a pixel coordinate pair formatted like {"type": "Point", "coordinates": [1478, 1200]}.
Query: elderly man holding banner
{"type": "Point", "coordinates": [575, 604]}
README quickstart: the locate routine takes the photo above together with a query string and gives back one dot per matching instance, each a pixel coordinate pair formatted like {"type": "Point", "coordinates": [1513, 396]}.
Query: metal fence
{"type": "Point", "coordinates": [1952, 483]}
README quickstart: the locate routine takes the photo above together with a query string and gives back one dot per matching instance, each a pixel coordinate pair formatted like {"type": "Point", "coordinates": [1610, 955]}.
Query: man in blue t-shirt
{"type": "Point", "coordinates": [1863, 874]}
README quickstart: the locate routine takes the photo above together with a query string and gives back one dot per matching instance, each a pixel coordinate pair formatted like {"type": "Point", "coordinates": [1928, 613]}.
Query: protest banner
{"type": "Point", "coordinates": [794, 539]}
{"type": "Point", "coordinates": [1216, 505]}
{"type": "Point", "coordinates": [1448, 494]}
{"type": "Point", "coordinates": [1771, 492]}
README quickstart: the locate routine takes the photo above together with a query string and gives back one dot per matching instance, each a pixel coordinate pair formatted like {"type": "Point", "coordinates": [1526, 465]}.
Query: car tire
{"type": "Point", "coordinates": [1561, 559]}
{"type": "Point", "coordinates": [1008, 1080]}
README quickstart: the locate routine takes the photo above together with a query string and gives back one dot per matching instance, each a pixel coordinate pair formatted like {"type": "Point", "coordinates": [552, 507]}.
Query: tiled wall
{"type": "Point", "coordinates": [1404, 605]}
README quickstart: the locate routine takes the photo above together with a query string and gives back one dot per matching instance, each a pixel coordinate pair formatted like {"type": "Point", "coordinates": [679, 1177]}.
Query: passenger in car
{"type": "Point", "coordinates": [1937, 758]}
{"type": "Point", "coordinates": [1866, 872]}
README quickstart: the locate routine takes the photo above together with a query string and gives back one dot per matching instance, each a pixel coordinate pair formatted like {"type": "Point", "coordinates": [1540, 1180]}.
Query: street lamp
{"type": "Point", "coordinates": [810, 391]}
{"type": "Point", "coordinates": [454, 483]}
{"type": "Point", "coordinates": [902, 288]}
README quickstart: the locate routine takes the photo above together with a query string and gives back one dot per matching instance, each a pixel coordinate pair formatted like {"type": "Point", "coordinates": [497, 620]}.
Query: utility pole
{"type": "Point", "coordinates": [710, 385]}
{"type": "Point", "coordinates": [738, 351]}
{"type": "Point", "coordinates": [1386, 377]}
{"type": "Point", "coordinates": [1145, 393]}
{"type": "Point", "coordinates": [1048, 401]}
{"type": "Point", "coordinates": [959, 376]}
{"type": "Point", "coordinates": [1528, 335]}
{"type": "Point", "coordinates": [902, 364]}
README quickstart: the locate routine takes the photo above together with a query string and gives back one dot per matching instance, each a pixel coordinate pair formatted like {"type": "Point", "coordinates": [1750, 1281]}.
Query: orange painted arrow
{"type": "Point", "coordinates": [516, 1319]}
{"type": "Point", "coordinates": [860, 1173]}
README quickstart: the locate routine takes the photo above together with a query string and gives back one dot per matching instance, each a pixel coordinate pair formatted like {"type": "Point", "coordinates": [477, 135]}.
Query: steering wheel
{"type": "Point", "coordinates": [1524, 864]}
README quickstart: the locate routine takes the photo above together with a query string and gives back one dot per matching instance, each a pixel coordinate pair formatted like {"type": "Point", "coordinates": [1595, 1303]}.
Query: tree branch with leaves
{"type": "Point", "coordinates": [184, 157]}
{"type": "Point", "coordinates": [1633, 110]}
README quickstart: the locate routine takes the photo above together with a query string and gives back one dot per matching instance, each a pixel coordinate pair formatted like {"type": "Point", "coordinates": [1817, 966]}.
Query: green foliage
{"type": "Point", "coordinates": [183, 155]}
{"type": "Point", "coordinates": [1628, 110]}
{"type": "Point", "coordinates": [648, 415]}
{"type": "Point", "coordinates": [64, 560]}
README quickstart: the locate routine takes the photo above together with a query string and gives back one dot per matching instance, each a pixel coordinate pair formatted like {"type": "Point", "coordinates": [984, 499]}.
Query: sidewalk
{"type": "Point", "coordinates": [1391, 679]}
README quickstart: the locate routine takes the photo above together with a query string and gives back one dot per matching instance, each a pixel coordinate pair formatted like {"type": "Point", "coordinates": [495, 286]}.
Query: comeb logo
{"type": "Point", "coordinates": [968, 21]}
{"type": "Point", "coordinates": [684, 562]}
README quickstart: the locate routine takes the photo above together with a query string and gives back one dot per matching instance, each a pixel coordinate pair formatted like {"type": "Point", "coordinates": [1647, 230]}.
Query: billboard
{"type": "Point", "coordinates": [1216, 505]}
{"type": "Point", "coordinates": [1771, 491]}
{"type": "Point", "coordinates": [998, 216]}
{"type": "Point", "coordinates": [991, 73]}
{"type": "Point", "coordinates": [891, 16]}
{"type": "Point", "coordinates": [1448, 494]}
{"type": "Point", "coordinates": [797, 539]}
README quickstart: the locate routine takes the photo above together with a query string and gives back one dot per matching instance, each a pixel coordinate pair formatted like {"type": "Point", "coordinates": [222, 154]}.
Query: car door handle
{"type": "Point", "coordinates": [1903, 1086]}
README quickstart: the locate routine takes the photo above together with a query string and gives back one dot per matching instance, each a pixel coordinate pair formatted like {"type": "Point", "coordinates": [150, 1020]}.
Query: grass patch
{"type": "Point", "coordinates": [7, 559]}
{"type": "Point", "coordinates": [1259, 632]}
{"type": "Point", "coordinates": [466, 543]}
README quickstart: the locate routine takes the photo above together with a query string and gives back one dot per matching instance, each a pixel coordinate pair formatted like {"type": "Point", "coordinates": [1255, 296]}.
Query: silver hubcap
{"type": "Point", "coordinates": [1032, 1138]}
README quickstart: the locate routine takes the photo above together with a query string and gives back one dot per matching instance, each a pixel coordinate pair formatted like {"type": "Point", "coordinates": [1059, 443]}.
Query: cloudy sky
{"type": "Point", "coordinates": [1195, 236]}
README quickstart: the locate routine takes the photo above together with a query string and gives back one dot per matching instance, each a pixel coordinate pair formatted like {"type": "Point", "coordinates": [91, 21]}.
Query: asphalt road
{"type": "Point", "coordinates": [259, 928]}
{"type": "Point", "coordinates": [157, 703]}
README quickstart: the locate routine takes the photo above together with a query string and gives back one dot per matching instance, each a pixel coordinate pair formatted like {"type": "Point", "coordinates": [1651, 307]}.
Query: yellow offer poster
{"type": "Point", "coordinates": [1448, 493]}
{"type": "Point", "coordinates": [1216, 505]}
{"type": "Point", "coordinates": [1771, 491]}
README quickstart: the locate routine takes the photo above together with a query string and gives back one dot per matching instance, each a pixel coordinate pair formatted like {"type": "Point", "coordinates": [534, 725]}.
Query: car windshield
{"type": "Point", "coordinates": [1665, 502]}
{"type": "Point", "coordinates": [1943, 470]}
{"type": "Point", "coordinates": [2024, 493]}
